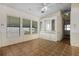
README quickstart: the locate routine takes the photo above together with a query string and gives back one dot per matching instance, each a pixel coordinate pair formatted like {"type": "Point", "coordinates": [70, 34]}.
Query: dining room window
{"type": "Point", "coordinates": [13, 27]}
{"type": "Point", "coordinates": [26, 26]}
{"type": "Point", "coordinates": [34, 27]}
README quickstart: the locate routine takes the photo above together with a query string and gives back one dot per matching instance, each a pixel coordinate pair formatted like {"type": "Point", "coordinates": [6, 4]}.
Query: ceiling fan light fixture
{"type": "Point", "coordinates": [44, 9]}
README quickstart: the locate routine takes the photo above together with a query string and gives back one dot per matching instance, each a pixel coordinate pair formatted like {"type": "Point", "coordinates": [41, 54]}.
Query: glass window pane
{"type": "Point", "coordinates": [13, 27]}
{"type": "Point", "coordinates": [13, 21]}
{"type": "Point", "coordinates": [47, 25]}
{"type": "Point", "coordinates": [68, 26]}
{"type": "Point", "coordinates": [34, 26]}
{"type": "Point", "coordinates": [53, 25]}
{"type": "Point", "coordinates": [40, 26]}
{"type": "Point", "coordinates": [26, 26]}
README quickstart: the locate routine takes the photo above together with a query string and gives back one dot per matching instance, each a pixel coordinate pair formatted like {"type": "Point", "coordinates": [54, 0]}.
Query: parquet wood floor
{"type": "Point", "coordinates": [40, 47]}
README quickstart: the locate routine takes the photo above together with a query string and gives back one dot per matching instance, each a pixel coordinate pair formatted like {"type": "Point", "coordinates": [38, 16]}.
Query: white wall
{"type": "Point", "coordinates": [0, 33]}
{"type": "Point", "coordinates": [53, 36]}
{"type": "Point", "coordinates": [74, 25]}
{"type": "Point", "coordinates": [59, 26]}
{"type": "Point", "coordinates": [4, 12]}
{"type": "Point", "coordinates": [57, 34]}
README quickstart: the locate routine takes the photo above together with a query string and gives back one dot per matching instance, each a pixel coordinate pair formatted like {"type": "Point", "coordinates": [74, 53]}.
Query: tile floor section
{"type": "Point", "coordinates": [40, 47]}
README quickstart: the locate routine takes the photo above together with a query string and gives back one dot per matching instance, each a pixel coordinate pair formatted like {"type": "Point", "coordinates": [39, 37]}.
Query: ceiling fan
{"type": "Point", "coordinates": [44, 9]}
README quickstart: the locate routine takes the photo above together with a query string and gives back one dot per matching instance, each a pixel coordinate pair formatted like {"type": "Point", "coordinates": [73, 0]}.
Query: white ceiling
{"type": "Point", "coordinates": [35, 8]}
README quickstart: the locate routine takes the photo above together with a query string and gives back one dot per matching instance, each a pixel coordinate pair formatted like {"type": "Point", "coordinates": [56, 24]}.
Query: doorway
{"type": "Point", "coordinates": [66, 26]}
{"type": "Point", "coordinates": [66, 29]}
